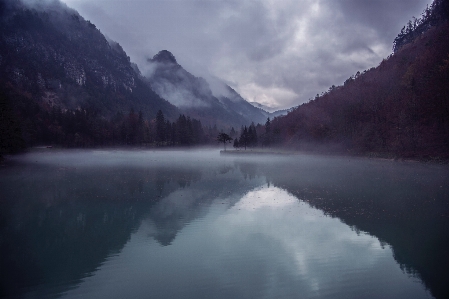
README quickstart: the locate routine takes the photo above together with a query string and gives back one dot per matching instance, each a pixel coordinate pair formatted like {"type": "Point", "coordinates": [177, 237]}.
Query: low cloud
{"type": "Point", "coordinates": [287, 50]}
{"type": "Point", "coordinates": [273, 97]}
{"type": "Point", "coordinates": [176, 85]}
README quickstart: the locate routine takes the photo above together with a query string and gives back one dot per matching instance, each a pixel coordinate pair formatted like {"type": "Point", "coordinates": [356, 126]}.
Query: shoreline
{"type": "Point", "coordinates": [249, 152]}
{"type": "Point", "coordinates": [259, 152]}
{"type": "Point", "coordinates": [435, 160]}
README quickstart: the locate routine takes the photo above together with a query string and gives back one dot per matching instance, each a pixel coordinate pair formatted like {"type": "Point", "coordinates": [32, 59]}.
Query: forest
{"type": "Point", "coordinates": [398, 109]}
{"type": "Point", "coordinates": [25, 123]}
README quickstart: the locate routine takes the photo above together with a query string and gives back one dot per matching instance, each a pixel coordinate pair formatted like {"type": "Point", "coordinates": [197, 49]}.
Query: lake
{"type": "Point", "coordinates": [197, 224]}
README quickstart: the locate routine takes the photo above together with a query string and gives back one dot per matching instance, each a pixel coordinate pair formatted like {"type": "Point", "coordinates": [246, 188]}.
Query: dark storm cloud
{"type": "Point", "coordinates": [276, 52]}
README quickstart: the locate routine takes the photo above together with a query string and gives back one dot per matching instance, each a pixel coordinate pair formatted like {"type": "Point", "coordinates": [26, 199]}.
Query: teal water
{"type": "Point", "coordinates": [194, 224]}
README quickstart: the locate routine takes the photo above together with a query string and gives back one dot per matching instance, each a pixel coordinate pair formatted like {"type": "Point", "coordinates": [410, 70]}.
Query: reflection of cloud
{"type": "Point", "coordinates": [257, 249]}
{"type": "Point", "coordinates": [308, 238]}
{"type": "Point", "coordinates": [265, 197]}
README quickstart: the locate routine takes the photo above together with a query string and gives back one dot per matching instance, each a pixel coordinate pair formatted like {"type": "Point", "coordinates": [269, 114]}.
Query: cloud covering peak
{"type": "Point", "coordinates": [278, 53]}
{"type": "Point", "coordinates": [164, 56]}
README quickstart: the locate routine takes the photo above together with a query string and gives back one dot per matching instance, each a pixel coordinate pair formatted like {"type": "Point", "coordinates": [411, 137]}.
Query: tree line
{"type": "Point", "coordinates": [252, 136]}
{"type": "Point", "coordinates": [435, 14]}
{"type": "Point", "coordinates": [25, 123]}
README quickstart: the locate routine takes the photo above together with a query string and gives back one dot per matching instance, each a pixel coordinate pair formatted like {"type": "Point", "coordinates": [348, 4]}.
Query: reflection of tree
{"type": "Point", "coordinates": [60, 225]}
{"type": "Point", "coordinates": [166, 234]}
{"type": "Point", "coordinates": [249, 170]}
{"type": "Point", "coordinates": [63, 242]}
{"type": "Point", "coordinates": [397, 204]}
{"type": "Point", "coordinates": [225, 169]}
{"type": "Point", "coordinates": [183, 177]}
{"type": "Point", "coordinates": [160, 181]}
{"type": "Point", "coordinates": [173, 212]}
{"type": "Point", "coordinates": [186, 177]}
{"type": "Point", "coordinates": [135, 186]}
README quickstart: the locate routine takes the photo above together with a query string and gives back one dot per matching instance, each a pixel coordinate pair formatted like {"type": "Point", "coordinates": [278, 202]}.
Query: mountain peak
{"type": "Point", "coordinates": [164, 56]}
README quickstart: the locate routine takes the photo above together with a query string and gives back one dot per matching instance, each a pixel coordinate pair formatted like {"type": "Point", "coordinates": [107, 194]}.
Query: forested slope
{"type": "Point", "coordinates": [63, 82]}
{"type": "Point", "coordinates": [400, 108]}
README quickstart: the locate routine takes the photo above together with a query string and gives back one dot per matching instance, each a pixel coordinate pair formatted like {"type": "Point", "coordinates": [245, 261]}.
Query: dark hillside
{"type": "Point", "coordinates": [432, 16]}
{"type": "Point", "coordinates": [62, 82]}
{"type": "Point", "coordinates": [400, 108]}
{"type": "Point", "coordinates": [63, 60]}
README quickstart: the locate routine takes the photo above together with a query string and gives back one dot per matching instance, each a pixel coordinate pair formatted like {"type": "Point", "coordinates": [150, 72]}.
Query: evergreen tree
{"type": "Point", "coordinates": [236, 143]}
{"type": "Point", "coordinates": [189, 131]}
{"type": "Point", "coordinates": [160, 127]}
{"type": "Point", "coordinates": [267, 137]}
{"type": "Point", "coordinates": [10, 132]}
{"type": "Point", "coordinates": [131, 128]}
{"type": "Point", "coordinates": [182, 130]}
{"type": "Point", "coordinates": [168, 133]}
{"type": "Point", "coordinates": [232, 133]}
{"type": "Point", "coordinates": [140, 131]}
{"type": "Point", "coordinates": [223, 137]}
{"type": "Point", "coordinates": [252, 136]}
{"type": "Point", "coordinates": [198, 133]}
{"type": "Point", "coordinates": [268, 126]}
{"type": "Point", "coordinates": [173, 134]}
{"type": "Point", "coordinates": [244, 138]}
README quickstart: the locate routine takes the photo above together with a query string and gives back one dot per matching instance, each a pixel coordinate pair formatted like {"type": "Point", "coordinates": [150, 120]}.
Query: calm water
{"type": "Point", "coordinates": [145, 224]}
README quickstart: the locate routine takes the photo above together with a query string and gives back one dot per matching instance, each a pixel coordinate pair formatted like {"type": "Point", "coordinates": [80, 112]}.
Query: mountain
{"type": "Point", "coordinates": [279, 113]}
{"type": "Point", "coordinates": [398, 109]}
{"type": "Point", "coordinates": [63, 82]}
{"type": "Point", "coordinates": [195, 96]}
{"type": "Point", "coordinates": [262, 106]}
{"type": "Point", "coordinates": [270, 112]}
{"type": "Point", "coordinates": [62, 60]}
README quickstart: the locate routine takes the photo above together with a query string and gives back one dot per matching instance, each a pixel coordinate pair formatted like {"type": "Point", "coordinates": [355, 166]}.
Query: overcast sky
{"type": "Point", "coordinates": [276, 52]}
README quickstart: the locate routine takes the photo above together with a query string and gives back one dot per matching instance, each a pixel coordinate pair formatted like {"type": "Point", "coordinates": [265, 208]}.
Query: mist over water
{"type": "Point", "coordinates": [194, 224]}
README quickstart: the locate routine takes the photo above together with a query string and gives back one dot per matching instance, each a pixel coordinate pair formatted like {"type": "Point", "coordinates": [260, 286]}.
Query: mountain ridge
{"type": "Point", "coordinates": [53, 52]}
{"type": "Point", "coordinates": [194, 96]}
{"type": "Point", "coordinates": [63, 82]}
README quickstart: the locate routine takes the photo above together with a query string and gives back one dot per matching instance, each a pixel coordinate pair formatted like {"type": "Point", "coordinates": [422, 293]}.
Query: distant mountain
{"type": "Point", "coordinates": [262, 106]}
{"type": "Point", "coordinates": [195, 97]}
{"type": "Point", "coordinates": [279, 112]}
{"type": "Point", "coordinates": [270, 112]}
{"type": "Point", "coordinates": [51, 52]}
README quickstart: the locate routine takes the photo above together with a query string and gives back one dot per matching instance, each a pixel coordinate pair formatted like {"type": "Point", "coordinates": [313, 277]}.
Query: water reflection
{"type": "Point", "coordinates": [402, 204]}
{"type": "Point", "coordinates": [268, 245]}
{"type": "Point", "coordinates": [194, 224]}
